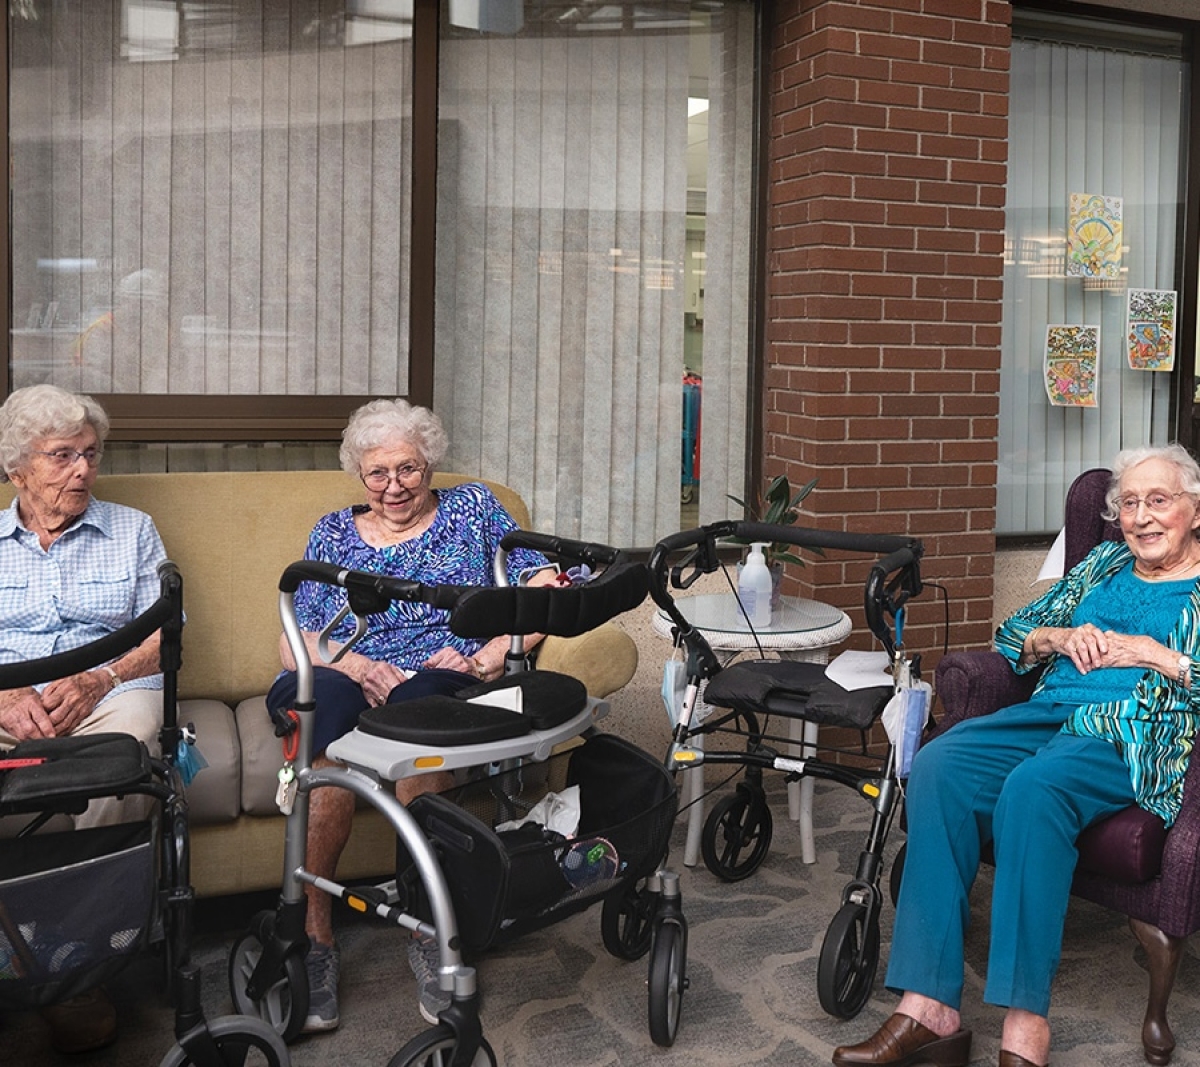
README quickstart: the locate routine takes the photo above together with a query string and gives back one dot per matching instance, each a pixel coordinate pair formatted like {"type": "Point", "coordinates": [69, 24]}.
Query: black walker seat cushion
{"type": "Point", "coordinates": [795, 690]}
{"type": "Point", "coordinates": [75, 769]}
{"type": "Point", "coordinates": [547, 699]}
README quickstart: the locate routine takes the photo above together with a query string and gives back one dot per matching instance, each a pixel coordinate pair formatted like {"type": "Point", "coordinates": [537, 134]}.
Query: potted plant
{"type": "Point", "coordinates": [779, 506]}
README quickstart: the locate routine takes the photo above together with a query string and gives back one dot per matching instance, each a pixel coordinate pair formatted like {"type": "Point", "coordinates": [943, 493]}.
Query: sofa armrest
{"type": "Point", "coordinates": [977, 683]}
{"type": "Point", "coordinates": [604, 659]}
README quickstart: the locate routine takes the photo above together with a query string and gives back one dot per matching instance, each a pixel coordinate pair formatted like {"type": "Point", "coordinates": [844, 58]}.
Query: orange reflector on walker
{"type": "Point", "coordinates": [428, 762]}
{"type": "Point", "coordinates": [357, 903]}
{"type": "Point", "coordinates": [870, 790]}
{"type": "Point", "coordinates": [684, 757]}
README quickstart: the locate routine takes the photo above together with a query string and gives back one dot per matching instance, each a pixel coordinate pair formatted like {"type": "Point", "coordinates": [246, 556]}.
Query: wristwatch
{"type": "Point", "coordinates": [1185, 672]}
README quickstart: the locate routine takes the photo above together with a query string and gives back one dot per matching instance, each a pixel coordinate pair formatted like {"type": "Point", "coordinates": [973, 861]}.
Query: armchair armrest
{"type": "Point", "coordinates": [1179, 894]}
{"type": "Point", "coordinates": [977, 683]}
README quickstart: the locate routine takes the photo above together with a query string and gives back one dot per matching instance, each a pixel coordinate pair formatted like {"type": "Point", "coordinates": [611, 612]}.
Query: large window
{"type": "Point", "coordinates": [227, 224]}
{"type": "Point", "coordinates": [1095, 110]}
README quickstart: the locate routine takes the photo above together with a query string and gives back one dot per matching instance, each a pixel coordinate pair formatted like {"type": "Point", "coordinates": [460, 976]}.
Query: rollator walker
{"type": "Point", "coordinates": [460, 877]}
{"type": "Point", "coordinates": [743, 698]}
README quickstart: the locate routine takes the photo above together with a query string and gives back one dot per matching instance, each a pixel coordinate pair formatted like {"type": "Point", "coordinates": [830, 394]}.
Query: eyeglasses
{"type": "Point", "coordinates": [1155, 502]}
{"type": "Point", "coordinates": [407, 477]}
{"type": "Point", "coordinates": [68, 457]}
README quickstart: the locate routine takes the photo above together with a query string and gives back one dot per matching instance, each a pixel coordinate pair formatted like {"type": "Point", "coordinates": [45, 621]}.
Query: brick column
{"type": "Point", "coordinates": [887, 167]}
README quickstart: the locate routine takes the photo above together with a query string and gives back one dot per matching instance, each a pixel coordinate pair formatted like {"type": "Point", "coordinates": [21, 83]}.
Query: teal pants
{"type": "Point", "coordinates": [1014, 780]}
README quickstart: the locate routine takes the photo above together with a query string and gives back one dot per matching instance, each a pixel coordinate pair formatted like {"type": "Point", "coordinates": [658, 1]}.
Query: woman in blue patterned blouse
{"type": "Point", "coordinates": [1111, 723]}
{"type": "Point", "coordinates": [406, 529]}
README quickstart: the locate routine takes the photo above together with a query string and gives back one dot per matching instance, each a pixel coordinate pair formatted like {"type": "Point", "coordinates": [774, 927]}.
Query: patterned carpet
{"type": "Point", "coordinates": [557, 998]}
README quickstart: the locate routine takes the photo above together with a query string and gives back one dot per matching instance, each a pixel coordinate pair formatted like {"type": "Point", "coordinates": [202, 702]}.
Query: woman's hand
{"type": "Point", "coordinates": [22, 715]}
{"type": "Point", "coordinates": [68, 701]}
{"type": "Point", "coordinates": [376, 677]}
{"type": "Point", "coordinates": [1086, 645]}
{"type": "Point", "coordinates": [450, 659]}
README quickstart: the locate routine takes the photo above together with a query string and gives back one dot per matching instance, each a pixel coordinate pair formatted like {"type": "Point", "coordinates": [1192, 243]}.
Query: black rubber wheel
{"type": "Point", "coordinates": [668, 980]}
{"type": "Point", "coordinates": [844, 975]}
{"type": "Point", "coordinates": [737, 835]}
{"type": "Point", "coordinates": [285, 1004]}
{"type": "Point", "coordinates": [435, 1048]}
{"type": "Point", "coordinates": [897, 874]}
{"type": "Point", "coordinates": [627, 921]}
{"type": "Point", "coordinates": [241, 1041]}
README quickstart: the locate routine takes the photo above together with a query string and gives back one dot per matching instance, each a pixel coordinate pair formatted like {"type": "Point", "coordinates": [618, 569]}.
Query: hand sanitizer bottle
{"type": "Point", "coordinates": [754, 587]}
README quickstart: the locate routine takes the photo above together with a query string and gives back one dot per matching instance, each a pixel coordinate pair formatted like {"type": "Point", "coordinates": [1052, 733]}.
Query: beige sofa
{"type": "Point", "coordinates": [231, 535]}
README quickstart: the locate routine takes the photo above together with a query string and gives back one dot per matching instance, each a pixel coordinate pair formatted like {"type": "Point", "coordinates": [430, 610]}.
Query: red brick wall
{"type": "Point", "coordinates": [887, 163]}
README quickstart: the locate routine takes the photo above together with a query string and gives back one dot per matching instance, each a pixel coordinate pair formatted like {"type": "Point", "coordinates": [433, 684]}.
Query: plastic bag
{"type": "Point", "coordinates": [904, 719]}
{"type": "Point", "coordinates": [557, 812]}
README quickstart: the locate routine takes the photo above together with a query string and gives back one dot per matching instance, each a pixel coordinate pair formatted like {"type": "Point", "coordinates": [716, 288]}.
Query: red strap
{"type": "Point", "coordinates": [29, 761]}
{"type": "Point", "coordinates": [291, 742]}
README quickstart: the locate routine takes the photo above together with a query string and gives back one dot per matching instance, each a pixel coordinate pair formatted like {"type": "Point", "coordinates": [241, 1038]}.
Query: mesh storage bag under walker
{"type": "Point", "coordinates": [508, 883]}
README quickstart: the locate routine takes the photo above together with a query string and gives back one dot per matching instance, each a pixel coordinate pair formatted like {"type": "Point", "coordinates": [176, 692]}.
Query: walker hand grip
{"type": "Point", "coordinates": [589, 552]}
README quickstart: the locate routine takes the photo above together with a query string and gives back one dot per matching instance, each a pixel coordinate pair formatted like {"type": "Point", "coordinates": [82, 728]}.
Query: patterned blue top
{"type": "Point", "coordinates": [97, 577]}
{"type": "Point", "coordinates": [457, 549]}
{"type": "Point", "coordinates": [1154, 725]}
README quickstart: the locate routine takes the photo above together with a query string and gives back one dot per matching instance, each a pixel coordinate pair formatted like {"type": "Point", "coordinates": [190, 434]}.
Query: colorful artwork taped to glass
{"type": "Point", "coordinates": [1072, 353]}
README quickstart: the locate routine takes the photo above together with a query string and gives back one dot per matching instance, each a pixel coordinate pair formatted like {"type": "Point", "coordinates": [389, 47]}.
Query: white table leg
{"type": "Point", "coordinates": [800, 794]}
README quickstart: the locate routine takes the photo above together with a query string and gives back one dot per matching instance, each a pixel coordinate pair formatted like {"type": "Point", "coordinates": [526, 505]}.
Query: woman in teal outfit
{"type": "Point", "coordinates": [1111, 723]}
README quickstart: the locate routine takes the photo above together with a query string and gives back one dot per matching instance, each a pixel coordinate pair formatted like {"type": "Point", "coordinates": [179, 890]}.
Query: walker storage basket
{"type": "Point", "coordinates": [505, 884]}
{"type": "Point", "coordinates": [75, 907]}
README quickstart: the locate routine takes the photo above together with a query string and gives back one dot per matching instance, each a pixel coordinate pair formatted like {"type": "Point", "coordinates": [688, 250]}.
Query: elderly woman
{"type": "Point", "coordinates": [73, 569]}
{"type": "Point", "coordinates": [406, 529]}
{"type": "Point", "coordinates": [1111, 723]}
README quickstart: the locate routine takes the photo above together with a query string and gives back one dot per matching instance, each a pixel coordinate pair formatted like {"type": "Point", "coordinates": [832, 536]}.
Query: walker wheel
{"type": "Point", "coordinates": [849, 956]}
{"type": "Point", "coordinates": [667, 982]}
{"type": "Point", "coordinates": [240, 1042]}
{"type": "Point", "coordinates": [285, 1004]}
{"type": "Point", "coordinates": [737, 835]}
{"type": "Point", "coordinates": [627, 921]}
{"type": "Point", "coordinates": [436, 1048]}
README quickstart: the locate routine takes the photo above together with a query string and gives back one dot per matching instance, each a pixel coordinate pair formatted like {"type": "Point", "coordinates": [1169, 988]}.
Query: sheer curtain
{"type": "Point", "coordinates": [562, 227]}
{"type": "Point", "coordinates": [1104, 118]}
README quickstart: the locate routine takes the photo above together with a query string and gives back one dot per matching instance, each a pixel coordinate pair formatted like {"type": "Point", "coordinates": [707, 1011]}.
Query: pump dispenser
{"type": "Point", "coordinates": [754, 587]}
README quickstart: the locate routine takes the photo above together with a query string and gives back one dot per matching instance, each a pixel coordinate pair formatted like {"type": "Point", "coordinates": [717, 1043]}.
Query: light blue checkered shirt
{"type": "Point", "coordinates": [97, 577]}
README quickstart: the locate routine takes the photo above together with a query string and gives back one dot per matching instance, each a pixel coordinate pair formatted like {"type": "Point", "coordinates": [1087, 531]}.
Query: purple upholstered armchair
{"type": "Point", "coordinates": [1129, 862]}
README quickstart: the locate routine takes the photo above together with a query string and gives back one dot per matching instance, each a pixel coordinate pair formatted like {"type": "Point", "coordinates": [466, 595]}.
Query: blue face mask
{"type": "Point", "coordinates": [673, 685]}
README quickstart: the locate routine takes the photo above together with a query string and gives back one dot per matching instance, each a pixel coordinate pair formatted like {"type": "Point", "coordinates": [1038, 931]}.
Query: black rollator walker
{"type": "Point", "coordinates": [462, 878]}
{"type": "Point", "coordinates": [746, 696]}
{"type": "Point", "coordinates": [76, 906]}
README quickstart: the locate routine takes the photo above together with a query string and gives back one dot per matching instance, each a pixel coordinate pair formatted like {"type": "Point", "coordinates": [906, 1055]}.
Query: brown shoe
{"type": "Point", "coordinates": [901, 1041]}
{"type": "Point", "coordinates": [83, 1023]}
{"type": "Point", "coordinates": [1011, 1059]}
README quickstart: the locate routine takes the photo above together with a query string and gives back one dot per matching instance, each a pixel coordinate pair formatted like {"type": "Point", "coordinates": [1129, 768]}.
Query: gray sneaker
{"type": "Point", "coordinates": [322, 966]}
{"type": "Point", "coordinates": [424, 958]}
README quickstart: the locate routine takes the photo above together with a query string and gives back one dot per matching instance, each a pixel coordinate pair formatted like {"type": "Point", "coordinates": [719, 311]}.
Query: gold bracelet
{"type": "Point", "coordinates": [1031, 637]}
{"type": "Point", "coordinates": [113, 677]}
{"type": "Point", "coordinates": [478, 668]}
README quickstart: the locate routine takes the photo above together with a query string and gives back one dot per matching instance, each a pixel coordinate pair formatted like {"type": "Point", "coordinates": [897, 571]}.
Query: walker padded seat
{"type": "Point", "coordinates": [442, 720]}
{"type": "Point", "coordinates": [796, 690]}
{"type": "Point", "coordinates": [548, 699]}
{"type": "Point", "coordinates": [75, 770]}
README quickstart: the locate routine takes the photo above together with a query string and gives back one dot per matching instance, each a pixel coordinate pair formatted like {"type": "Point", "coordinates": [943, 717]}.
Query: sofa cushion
{"type": "Point", "coordinates": [262, 756]}
{"type": "Point", "coordinates": [213, 793]}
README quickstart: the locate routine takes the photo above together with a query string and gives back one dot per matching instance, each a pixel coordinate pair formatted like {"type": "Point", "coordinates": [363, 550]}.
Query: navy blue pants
{"type": "Point", "coordinates": [340, 699]}
{"type": "Point", "coordinates": [1014, 780]}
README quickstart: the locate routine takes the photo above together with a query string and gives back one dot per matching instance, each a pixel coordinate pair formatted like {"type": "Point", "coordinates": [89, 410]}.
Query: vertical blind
{"type": "Point", "coordinates": [209, 201]}
{"type": "Point", "coordinates": [562, 231]}
{"type": "Point", "coordinates": [1097, 119]}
